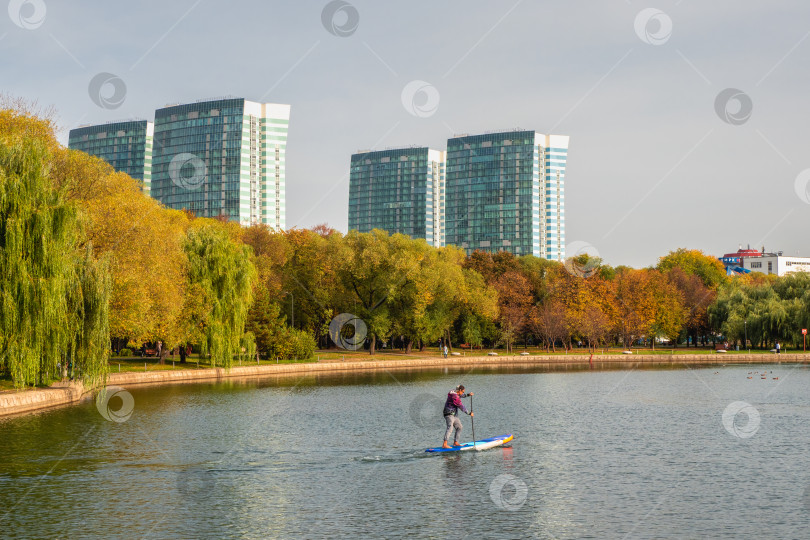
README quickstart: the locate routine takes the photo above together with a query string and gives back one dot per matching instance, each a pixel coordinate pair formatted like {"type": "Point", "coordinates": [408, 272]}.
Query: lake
{"type": "Point", "coordinates": [717, 452]}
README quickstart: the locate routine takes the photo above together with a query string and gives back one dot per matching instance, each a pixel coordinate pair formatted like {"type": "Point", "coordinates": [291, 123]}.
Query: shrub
{"type": "Point", "coordinates": [125, 352]}
{"type": "Point", "coordinates": [291, 344]}
{"type": "Point", "coordinates": [303, 345]}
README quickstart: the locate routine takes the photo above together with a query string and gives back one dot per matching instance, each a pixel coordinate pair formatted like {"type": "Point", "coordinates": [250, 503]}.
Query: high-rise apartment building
{"type": "Point", "coordinates": [505, 192]}
{"type": "Point", "coordinates": [399, 191]}
{"type": "Point", "coordinates": [222, 157]}
{"type": "Point", "coordinates": [127, 146]}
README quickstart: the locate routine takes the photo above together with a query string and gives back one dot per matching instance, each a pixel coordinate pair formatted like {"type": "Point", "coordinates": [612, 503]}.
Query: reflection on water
{"type": "Point", "coordinates": [596, 454]}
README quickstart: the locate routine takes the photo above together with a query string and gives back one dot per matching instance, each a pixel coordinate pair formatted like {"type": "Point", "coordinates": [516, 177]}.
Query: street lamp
{"type": "Point", "coordinates": [745, 324]}
{"type": "Point", "coordinates": [292, 306]}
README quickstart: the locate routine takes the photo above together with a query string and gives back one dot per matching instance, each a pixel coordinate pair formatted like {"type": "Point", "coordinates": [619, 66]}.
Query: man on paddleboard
{"type": "Point", "coordinates": [451, 407]}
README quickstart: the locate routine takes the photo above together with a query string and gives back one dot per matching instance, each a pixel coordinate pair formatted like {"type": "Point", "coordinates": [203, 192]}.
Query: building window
{"type": "Point", "coordinates": [770, 266]}
{"type": "Point", "coordinates": [756, 265]}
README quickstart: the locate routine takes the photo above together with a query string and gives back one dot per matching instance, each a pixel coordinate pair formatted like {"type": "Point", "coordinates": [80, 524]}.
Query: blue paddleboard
{"type": "Point", "coordinates": [483, 444]}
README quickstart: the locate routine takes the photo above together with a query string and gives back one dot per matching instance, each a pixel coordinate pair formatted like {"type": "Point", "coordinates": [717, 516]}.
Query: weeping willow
{"type": "Point", "coordinates": [90, 311]}
{"type": "Point", "coordinates": [222, 273]}
{"type": "Point", "coordinates": [248, 347]}
{"type": "Point", "coordinates": [54, 297]}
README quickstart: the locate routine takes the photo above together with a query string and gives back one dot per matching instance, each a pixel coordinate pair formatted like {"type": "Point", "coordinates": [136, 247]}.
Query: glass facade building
{"type": "Point", "coordinates": [127, 146]}
{"type": "Point", "coordinates": [505, 192]}
{"type": "Point", "coordinates": [399, 191]}
{"type": "Point", "coordinates": [222, 157]}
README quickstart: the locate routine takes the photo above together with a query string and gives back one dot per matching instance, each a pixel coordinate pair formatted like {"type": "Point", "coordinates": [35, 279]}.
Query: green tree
{"type": "Point", "coordinates": [755, 309]}
{"type": "Point", "coordinates": [310, 281]}
{"type": "Point", "coordinates": [371, 278]}
{"type": "Point", "coordinates": [220, 271]}
{"type": "Point", "coordinates": [54, 296]}
{"type": "Point", "coordinates": [273, 338]}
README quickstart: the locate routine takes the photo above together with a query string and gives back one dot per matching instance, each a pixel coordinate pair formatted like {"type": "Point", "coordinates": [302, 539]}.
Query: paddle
{"type": "Point", "coordinates": [472, 419]}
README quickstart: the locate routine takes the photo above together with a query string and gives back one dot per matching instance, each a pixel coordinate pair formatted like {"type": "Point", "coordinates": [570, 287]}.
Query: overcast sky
{"type": "Point", "coordinates": [656, 161]}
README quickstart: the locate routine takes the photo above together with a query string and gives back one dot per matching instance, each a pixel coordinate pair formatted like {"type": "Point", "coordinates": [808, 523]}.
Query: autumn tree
{"type": "Point", "coordinates": [670, 313]}
{"type": "Point", "coordinates": [478, 311]}
{"type": "Point", "coordinates": [635, 305]}
{"type": "Point", "coordinates": [697, 298]}
{"type": "Point", "coordinates": [271, 252]}
{"type": "Point", "coordinates": [492, 265]}
{"type": "Point", "coordinates": [694, 262]}
{"type": "Point", "coordinates": [144, 241]}
{"type": "Point", "coordinates": [590, 308]}
{"type": "Point", "coordinates": [539, 272]}
{"type": "Point", "coordinates": [548, 321]}
{"type": "Point", "coordinates": [595, 326]}
{"type": "Point", "coordinates": [515, 301]}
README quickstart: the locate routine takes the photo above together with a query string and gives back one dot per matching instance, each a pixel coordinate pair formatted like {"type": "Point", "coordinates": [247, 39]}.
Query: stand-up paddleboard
{"type": "Point", "coordinates": [483, 444]}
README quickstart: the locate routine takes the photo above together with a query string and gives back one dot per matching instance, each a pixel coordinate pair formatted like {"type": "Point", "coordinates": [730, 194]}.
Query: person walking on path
{"type": "Point", "coordinates": [778, 347]}
{"type": "Point", "coordinates": [451, 407]}
{"type": "Point", "coordinates": [444, 350]}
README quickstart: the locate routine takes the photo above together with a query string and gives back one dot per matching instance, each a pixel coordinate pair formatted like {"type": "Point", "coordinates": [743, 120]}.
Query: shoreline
{"type": "Point", "coordinates": [61, 394]}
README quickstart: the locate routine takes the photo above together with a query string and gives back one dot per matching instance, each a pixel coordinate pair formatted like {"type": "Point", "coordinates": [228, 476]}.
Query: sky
{"type": "Point", "coordinates": [688, 121]}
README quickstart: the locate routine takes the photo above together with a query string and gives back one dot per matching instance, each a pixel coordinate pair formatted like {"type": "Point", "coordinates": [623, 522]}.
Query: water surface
{"type": "Point", "coordinates": [638, 454]}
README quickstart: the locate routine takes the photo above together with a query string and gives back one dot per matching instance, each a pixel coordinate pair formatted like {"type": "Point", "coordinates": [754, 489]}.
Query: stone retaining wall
{"type": "Point", "coordinates": [13, 403]}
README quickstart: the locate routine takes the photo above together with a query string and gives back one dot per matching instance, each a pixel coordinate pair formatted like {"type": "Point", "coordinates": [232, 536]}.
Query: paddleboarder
{"type": "Point", "coordinates": [451, 407]}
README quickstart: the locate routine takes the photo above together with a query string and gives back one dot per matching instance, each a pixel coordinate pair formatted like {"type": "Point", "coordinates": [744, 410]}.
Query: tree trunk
{"type": "Point", "coordinates": [408, 346]}
{"type": "Point", "coordinates": [373, 344]}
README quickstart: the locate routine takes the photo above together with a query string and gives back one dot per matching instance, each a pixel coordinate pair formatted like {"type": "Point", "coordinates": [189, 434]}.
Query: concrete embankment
{"type": "Point", "coordinates": [14, 403]}
{"type": "Point", "coordinates": [24, 401]}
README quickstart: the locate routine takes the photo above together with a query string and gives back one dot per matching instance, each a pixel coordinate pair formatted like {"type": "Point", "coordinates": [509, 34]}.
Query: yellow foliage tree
{"type": "Point", "coordinates": [144, 240]}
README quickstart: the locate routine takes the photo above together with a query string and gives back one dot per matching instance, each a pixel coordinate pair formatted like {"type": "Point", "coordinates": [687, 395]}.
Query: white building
{"type": "Point", "coordinates": [771, 263]}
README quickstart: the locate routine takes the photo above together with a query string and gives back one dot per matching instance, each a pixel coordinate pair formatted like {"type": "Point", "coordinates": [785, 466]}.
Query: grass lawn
{"type": "Point", "coordinates": [151, 363]}
{"type": "Point", "coordinates": [6, 384]}
{"type": "Point", "coordinates": [433, 352]}
{"type": "Point", "coordinates": [136, 363]}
